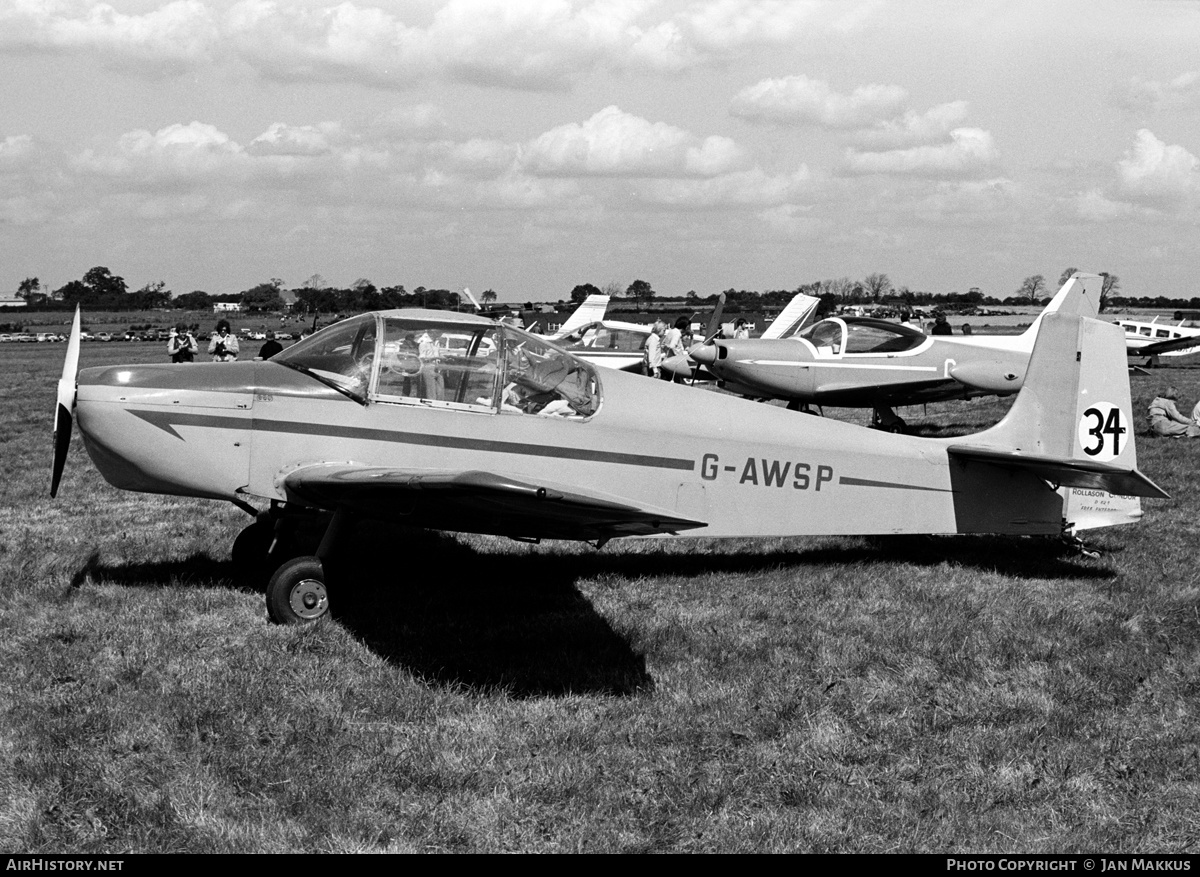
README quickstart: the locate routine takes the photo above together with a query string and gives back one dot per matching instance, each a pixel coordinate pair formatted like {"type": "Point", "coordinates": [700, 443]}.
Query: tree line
{"type": "Point", "coordinates": [100, 289]}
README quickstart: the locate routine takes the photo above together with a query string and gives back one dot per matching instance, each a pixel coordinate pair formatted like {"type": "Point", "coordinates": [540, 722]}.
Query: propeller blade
{"type": "Point", "coordinates": [65, 408]}
{"type": "Point", "coordinates": [714, 323]}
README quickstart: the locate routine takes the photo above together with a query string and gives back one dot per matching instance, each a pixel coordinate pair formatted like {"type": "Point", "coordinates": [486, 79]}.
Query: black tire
{"type": "Point", "coordinates": [296, 593]}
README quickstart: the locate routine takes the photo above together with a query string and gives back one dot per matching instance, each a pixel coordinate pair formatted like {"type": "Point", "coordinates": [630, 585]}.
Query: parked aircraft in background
{"type": "Point", "coordinates": [512, 436]}
{"type": "Point", "coordinates": [1155, 339]}
{"type": "Point", "coordinates": [868, 363]}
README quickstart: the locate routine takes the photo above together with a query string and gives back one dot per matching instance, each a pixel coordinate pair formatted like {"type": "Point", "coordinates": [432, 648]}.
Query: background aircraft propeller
{"type": "Point", "coordinates": [64, 412]}
{"type": "Point", "coordinates": [710, 333]}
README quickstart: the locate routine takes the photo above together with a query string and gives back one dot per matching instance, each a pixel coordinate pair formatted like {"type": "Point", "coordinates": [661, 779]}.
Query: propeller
{"type": "Point", "coordinates": [65, 410]}
{"type": "Point", "coordinates": [704, 353]}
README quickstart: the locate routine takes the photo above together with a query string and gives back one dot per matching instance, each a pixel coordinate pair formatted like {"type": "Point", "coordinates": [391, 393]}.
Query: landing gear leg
{"type": "Point", "coordinates": [297, 593]}
{"type": "Point", "coordinates": [886, 419]}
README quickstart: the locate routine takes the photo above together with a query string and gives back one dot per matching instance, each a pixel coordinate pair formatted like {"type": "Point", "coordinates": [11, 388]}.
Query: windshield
{"type": "Point", "coordinates": [597, 336]}
{"type": "Point", "coordinates": [341, 355]}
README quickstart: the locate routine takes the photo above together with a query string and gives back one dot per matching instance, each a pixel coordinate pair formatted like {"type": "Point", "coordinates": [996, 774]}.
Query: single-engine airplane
{"type": "Point", "coordinates": [860, 362]}
{"type": "Point", "coordinates": [512, 436]}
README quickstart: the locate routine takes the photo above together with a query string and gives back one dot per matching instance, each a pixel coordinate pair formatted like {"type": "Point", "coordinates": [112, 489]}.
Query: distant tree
{"type": "Point", "coordinates": [1065, 276]}
{"type": "Point", "coordinates": [28, 287]}
{"type": "Point", "coordinates": [828, 304]}
{"type": "Point", "coordinates": [877, 286]}
{"type": "Point", "coordinates": [316, 281]}
{"type": "Point", "coordinates": [196, 300]}
{"type": "Point", "coordinates": [640, 291]}
{"type": "Point", "coordinates": [613, 289]}
{"type": "Point", "coordinates": [582, 291]}
{"type": "Point", "coordinates": [104, 282]}
{"type": "Point", "coordinates": [1108, 289]}
{"type": "Point", "coordinates": [488, 296]}
{"type": "Point", "coordinates": [151, 296]}
{"type": "Point", "coordinates": [264, 297]}
{"type": "Point", "coordinates": [1032, 289]}
{"type": "Point", "coordinates": [99, 289]}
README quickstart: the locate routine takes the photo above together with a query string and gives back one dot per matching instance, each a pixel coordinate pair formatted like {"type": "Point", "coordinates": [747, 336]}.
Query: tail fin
{"type": "Point", "coordinates": [593, 308]}
{"type": "Point", "coordinates": [794, 317]}
{"type": "Point", "coordinates": [1080, 295]}
{"type": "Point", "coordinates": [1072, 423]}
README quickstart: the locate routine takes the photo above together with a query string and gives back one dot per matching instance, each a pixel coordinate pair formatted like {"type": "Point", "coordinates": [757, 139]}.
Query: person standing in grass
{"type": "Point", "coordinates": [653, 349]}
{"type": "Point", "coordinates": [223, 346]}
{"type": "Point", "coordinates": [1167, 420]}
{"type": "Point", "coordinates": [182, 347]}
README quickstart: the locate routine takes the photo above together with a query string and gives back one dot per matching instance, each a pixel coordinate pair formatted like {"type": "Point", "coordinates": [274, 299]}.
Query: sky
{"type": "Point", "coordinates": [527, 146]}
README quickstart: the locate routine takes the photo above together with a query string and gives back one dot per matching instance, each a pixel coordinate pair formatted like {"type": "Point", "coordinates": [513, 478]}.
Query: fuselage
{"type": "Point", "coordinates": [886, 364]}
{"type": "Point", "coordinates": [235, 430]}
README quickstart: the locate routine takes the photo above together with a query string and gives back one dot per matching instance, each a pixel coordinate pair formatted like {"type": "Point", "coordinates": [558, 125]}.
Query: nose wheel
{"type": "Point", "coordinates": [296, 593]}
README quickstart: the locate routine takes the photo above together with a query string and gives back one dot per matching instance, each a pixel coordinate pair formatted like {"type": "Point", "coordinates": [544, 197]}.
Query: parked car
{"type": "Point", "coordinates": [5, 337]}
{"type": "Point", "coordinates": [104, 336]}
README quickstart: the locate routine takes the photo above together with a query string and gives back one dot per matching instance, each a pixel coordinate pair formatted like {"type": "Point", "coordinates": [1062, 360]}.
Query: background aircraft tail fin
{"type": "Point", "coordinates": [1072, 423]}
{"type": "Point", "coordinates": [593, 309]}
{"type": "Point", "coordinates": [794, 317]}
{"type": "Point", "coordinates": [1080, 295]}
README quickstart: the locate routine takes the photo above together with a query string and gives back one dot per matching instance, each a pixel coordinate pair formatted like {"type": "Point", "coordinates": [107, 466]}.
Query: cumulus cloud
{"type": "Point", "coordinates": [749, 188]}
{"type": "Point", "coordinates": [1146, 95]}
{"type": "Point", "coordinates": [281, 139]}
{"type": "Point", "coordinates": [616, 143]}
{"type": "Point", "coordinates": [1095, 206]}
{"type": "Point", "coordinates": [533, 44]}
{"type": "Point", "coordinates": [803, 101]}
{"type": "Point", "coordinates": [175, 33]}
{"type": "Point", "coordinates": [969, 152]}
{"type": "Point", "coordinates": [176, 151]}
{"type": "Point", "coordinates": [1157, 173]}
{"type": "Point", "coordinates": [914, 129]}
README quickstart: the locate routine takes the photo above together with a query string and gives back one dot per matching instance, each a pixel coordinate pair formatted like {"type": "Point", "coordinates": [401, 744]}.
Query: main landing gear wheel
{"type": "Point", "coordinates": [296, 593]}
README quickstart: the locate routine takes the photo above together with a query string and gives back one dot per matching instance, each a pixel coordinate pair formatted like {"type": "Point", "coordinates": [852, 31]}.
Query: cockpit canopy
{"type": "Point", "coordinates": [849, 335]}
{"type": "Point", "coordinates": [598, 336]}
{"type": "Point", "coordinates": [472, 366]}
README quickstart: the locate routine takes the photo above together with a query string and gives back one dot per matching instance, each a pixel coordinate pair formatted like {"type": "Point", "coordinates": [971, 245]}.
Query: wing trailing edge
{"type": "Point", "coordinates": [476, 501]}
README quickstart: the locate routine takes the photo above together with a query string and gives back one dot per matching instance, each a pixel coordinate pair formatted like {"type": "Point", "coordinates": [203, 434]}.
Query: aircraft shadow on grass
{"type": "Point", "coordinates": [454, 615]}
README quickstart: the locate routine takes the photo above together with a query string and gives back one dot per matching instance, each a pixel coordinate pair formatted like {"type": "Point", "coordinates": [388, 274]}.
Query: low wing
{"type": "Point", "coordinates": [1167, 346]}
{"type": "Point", "coordinates": [476, 502]}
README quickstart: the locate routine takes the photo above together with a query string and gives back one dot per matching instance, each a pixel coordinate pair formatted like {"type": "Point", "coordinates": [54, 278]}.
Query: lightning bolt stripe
{"type": "Point", "coordinates": [168, 420]}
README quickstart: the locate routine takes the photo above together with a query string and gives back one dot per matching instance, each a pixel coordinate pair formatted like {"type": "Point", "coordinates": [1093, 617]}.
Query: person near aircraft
{"type": "Point", "coordinates": [223, 346]}
{"type": "Point", "coordinates": [270, 348]}
{"type": "Point", "coordinates": [1167, 420]}
{"type": "Point", "coordinates": [740, 329]}
{"type": "Point", "coordinates": [182, 347]}
{"type": "Point", "coordinates": [941, 326]}
{"type": "Point", "coordinates": [432, 381]}
{"type": "Point", "coordinates": [1196, 415]}
{"type": "Point", "coordinates": [672, 345]}
{"type": "Point", "coordinates": [654, 349]}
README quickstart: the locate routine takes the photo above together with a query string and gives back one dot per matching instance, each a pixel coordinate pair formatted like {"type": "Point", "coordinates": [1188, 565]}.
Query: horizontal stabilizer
{"type": "Point", "coordinates": [1067, 471]}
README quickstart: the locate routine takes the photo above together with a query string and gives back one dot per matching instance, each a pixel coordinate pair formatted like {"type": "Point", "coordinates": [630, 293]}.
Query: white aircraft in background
{"type": "Point", "coordinates": [1158, 339]}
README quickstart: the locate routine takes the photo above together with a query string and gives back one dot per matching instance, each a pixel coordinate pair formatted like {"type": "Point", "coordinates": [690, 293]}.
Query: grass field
{"type": "Point", "coordinates": [478, 695]}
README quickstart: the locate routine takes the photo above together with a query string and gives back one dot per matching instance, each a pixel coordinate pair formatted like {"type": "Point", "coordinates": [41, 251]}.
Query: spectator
{"type": "Point", "coordinates": [223, 345]}
{"type": "Point", "coordinates": [1166, 419]}
{"type": "Point", "coordinates": [182, 346]}
{"type": "Point", "coordinates": [270, 348]}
